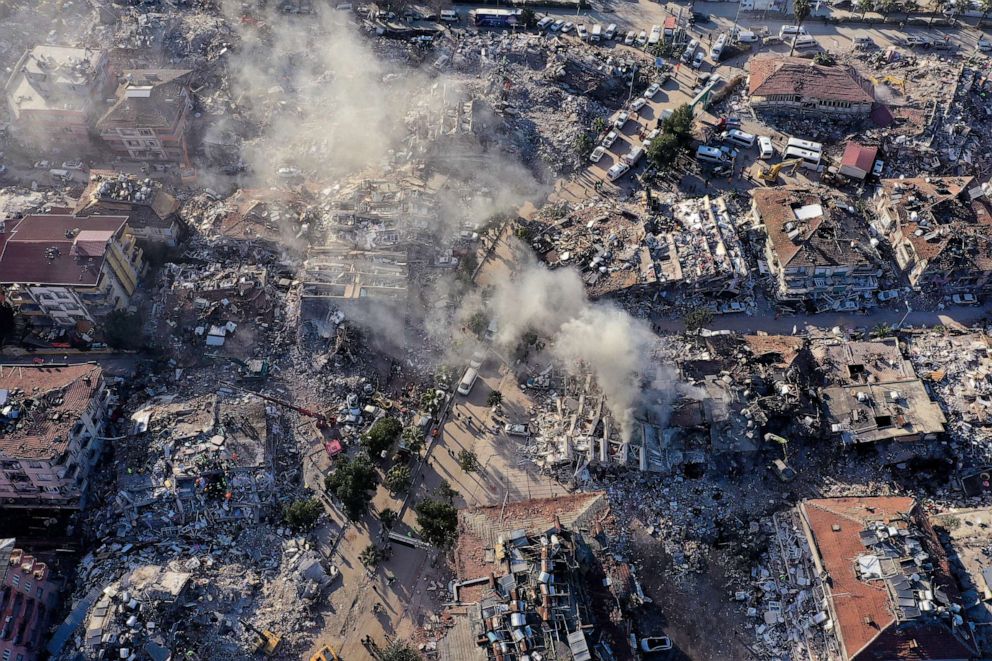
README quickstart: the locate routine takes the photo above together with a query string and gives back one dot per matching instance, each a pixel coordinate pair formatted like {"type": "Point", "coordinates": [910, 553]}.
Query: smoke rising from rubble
{"type": "Point", "coordinates": [600, 337]}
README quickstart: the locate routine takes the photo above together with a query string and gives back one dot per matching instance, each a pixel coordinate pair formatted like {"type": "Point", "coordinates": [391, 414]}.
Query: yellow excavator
{"type": "Point", "coordinates": [771, 174]}
{"type": "Point", "coordinates": [325, 653]}
{"type": "Point", "coordinates": [893, 81]}
{"type": "Point", "coordinates": [267, 640]}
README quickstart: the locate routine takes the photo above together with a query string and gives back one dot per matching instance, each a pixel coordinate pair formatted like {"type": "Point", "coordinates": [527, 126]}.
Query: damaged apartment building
{"type": "Point", "coordinates": [536, 579]}
{"type": "Point", "coordinates": [29, 597]}
{"type": "Point", "coordinates": [152, 213]}
{"type": "Point", "coordinates": [61, 269]}
{"type": "Point", "coordinates": [873, 396]}
{"type": "Point", "coordinates": [791, 85]}
{"type": "Point", "coordinates": [940, 229]}
{"type": "Point", "coordinates": [857, 579]}
{"type": "Point", "coordinates": [53, 423]}
{"type": "Point", "coordinates": [817, 248]}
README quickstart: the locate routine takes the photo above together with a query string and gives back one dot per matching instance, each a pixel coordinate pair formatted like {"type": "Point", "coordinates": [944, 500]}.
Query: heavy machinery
{"type": "Point", "coordinates": [771, 174]}
{"type": "Point", "coordinates": [323, 421]}
{"type": "Point", "coordinates": [267, 641]}
{"type": "Point", "coordinates": [252, 370]}
{"type": "Point", "coordinates": [892, 81]}
{"type": "Point", "coordinates": [325, 653]}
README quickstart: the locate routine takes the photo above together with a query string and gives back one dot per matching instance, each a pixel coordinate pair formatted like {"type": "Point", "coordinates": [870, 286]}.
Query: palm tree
{"type": "Point", "coordinates": [801, 9]}
{"type": "Point", "coordinates": [865, 6]}
{"type": "Point", "coordinates": [986, 7]}
{"type": "Point", "coordinates": [886, 7]}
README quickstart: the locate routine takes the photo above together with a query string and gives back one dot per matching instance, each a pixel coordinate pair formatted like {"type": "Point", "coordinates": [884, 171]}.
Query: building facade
{"type": "Point", "coordinates": [51, 429]}
{"type": "Point", "coordinates": [817, 247]}
{"type": "Point", "coordinates": [61, 269]}
{"type": "Point", "coordinates": [152, 213]}
{"type": "Point", "coordinates": [29, 596]}
{"type": "Point", "coordinates": [149, 117]}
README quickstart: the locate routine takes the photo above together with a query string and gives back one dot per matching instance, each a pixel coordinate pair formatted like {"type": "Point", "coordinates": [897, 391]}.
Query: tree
{"type": "Point", "coordinates": [301, 515]}
{"type": "Point", "coordinates": [468, 461]}
{"type": "Point", "coordinates": [495, 398]}
{"type": "Point", "coordinates": [445, 491]}
{"type": "Point", "coordinates": [886, 7]}
{"type": "Point", "coordinates": [961, 7]}
{"type": "Point", "coordinates": [387, 517]}
{"type": "Point", "coordinates": [679, 124]}
{"type": "Point", "coordinates": [122, 330]}
{"type": "Point", "coordinates": [801, 9]}
{"type": "Point", "coordinates": [599, 124]}
{"type": "Point", "coordinates": [352, 483]}
{"type": "Point", "coordinates": [664, 150]}
{"type": "Point", "coordinates": [413, 437]}
{"type": "Point", "coordinates": [527, 17]}
{"type": "Point", "coordinates": [382, 435]}
{"type": "Point", "coordinates": [696, 319]}
{"type": "Point", "coordinates": [824, 59]}
{"type": "Point", "coordinates": [865, 6]}
{"type": "Point", "coordinates": [438, 522]}
{"type": "Point", "coordinates": [370, 556]}
{"type": "Point", "coordinates": [478, 322]}
{"type": "Point", "coordinates": [398, 478]}
{"type": "Point", "coordinates": [986, 7]}
{"type": "Point", "coordinates": [398, 651]}
{"type": "Point", "coordinates": [584, 144]}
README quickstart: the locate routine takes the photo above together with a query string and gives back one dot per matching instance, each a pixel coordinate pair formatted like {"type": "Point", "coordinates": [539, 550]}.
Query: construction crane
{"type": "Point", "coordinates": [323, 421]}
{"type": "Point", "coordinates": [267, 641]}
{"type": "Point", "coordinates": [771, 174]}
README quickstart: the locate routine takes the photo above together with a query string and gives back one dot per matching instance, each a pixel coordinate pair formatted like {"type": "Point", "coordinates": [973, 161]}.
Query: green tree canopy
{"type": "Point", "coordinates": [352, 483]}
{"type": "Point", "coordinates": [438, 522]}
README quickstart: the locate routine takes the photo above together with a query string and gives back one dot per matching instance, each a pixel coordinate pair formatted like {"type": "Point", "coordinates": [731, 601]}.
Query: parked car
{"type": "Point", "coordinates": [609, 139]}
{"type": "Point", "coordinates": [618, 170]}
{"type": "Point", "coordinates": [697, 61]}
{"type": "Point", "coordinates": [597, 154]}
{"type": "Point", "coordinates": [516, 430]}
{"type": "Point", "coordinates": [557, 25]}
{"type": "Point", "coordinates": [877, 168]}
{"type": "Point", "coordinates": [629, 39]}
{"type": "Point", "coordinates": [747, 37]}
{"type": "Point", "coordinates": [567, 27]}
{"type": "Point", "coordinates": [656, 644]}
{"type": "Point", "coordinates": [621, 119]}
{"type": "Point", "coordinates": [964, 299]}
{"type": "Point", "coordinates": [638, 103]}
{"type": "Point", "coordinates": [642, 38]}
{"type": "Point", "coordinates": [888, 294]}
{"type": "Point", "coordinates": [984, 44]}
{"type": "Point", "coordinates": [765, 149]}
{"type": "Point", "coordinates": [479, 357]}
{"type": "Point", "coordinates": [731, 307]}
{"type": "Point", "coordinates": [583, 32]}
{"type": "Point", "coordinates": [652, 89]}
{"type": "Point", "coordinates": [863, 43]}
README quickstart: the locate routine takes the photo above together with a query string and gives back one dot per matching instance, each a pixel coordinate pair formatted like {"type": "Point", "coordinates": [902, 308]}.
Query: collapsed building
{"type": "Point", "coordinates": [818, 248]}
{"type": "Point", "coordinates": [53, 422]}
{"type": "Point", "coordinates": [792, 85]}
{"type": "Point", "coordinates": [537, 579]}
{"type": "Point", "coordinates": [152, 213]}
{"type": "Point", "coordinates": [872, 395]}
{"type": "Point", "coordinates": [939, 228]}
{"type": "Point", "coordinates": [858, 579]}
{"type": "Point", "coordinates": [367, 283]}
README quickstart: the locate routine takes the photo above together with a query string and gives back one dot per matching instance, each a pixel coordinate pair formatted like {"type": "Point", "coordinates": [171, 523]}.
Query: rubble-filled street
{"type": "Point", "coordinates": [551, 330]}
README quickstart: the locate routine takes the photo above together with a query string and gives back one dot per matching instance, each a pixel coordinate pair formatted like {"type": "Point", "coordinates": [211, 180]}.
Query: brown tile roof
{"type": "Point", "coordinates": [43, 429]}
{"type": "Point", "coordinates": [858, 156]}
{"type": "Point", "coordinates": [56, 249]}
{"type": "Point", "coordinates": [161, 108]}
{"type": "Point", "coordinates": [823, 240]}
{"type": "Point", "coordinates": [772, 75]}
{"type": "Point", "coordinates": [866, 623]}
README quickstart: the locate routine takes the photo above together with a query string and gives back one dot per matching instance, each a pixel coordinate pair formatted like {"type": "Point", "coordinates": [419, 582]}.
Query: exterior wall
{"type": "Point", "coordinates": [28, 598]}
{"type": "Point", "coordinates": [58, 482]}
{"type": "Point", "coordinates": [149, 143]}
{"type": "Point", "coordinates": [921, 274]}
{"type": "Point", "coordinates": [167, 235]}
{"type": "Point", "coordinates": [794, 104]}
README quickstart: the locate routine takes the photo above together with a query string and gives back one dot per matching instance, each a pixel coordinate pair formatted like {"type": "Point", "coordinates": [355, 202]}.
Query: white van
{"type": "Point", "coordinates": [789, 31]}
{"type": "Point", "coordinates": [717, 50]}
{"type": "Point", "coordinates": [690, 50]}
{"type": "Point", "coordinates": [611, 31]}
{"type": "Point", "coordinates": [805, 41]}
{"type": "Point", "coordinates": [471, 376]}
{"type": "Point", "coordinates": [545, 22]}
{"type": "Point", "coordinates": [740, 138]}
{"type": "Point", "coordinates": [709, 154]}
{"type": "Point", "coordinates": [765, 150]}
{"type": "Point", "coordinates": [597, 32]}
{"type": "Point", "coordinates": [633, 156]}
{"type": "Point", "coordinates": [655, 35]}
{"type": "Point", "coordinates": [449, 16]}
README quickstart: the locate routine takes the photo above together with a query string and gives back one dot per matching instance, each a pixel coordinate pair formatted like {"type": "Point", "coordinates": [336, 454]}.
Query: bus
{"type": "Point", "coordinates": [471, 375]}
{"type": "Point", "coordinates": [808, 145]}
{"type": "Point", "coordinates": [810, 159]}
{"type": "Point", "coordinates": [496, 18]}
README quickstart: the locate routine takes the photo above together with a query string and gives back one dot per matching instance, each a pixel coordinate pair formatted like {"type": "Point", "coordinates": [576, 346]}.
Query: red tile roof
{"type": "Point", "coordinates": [48, 249]}
{"type": "Point", "coordinates": [858, 156]}
{"type": "Point", "coordinates": [866, 623]}
{"type": "Point", "coordinates": [43, 431]}
{"type": "Point", "coordinates": [772, 75]}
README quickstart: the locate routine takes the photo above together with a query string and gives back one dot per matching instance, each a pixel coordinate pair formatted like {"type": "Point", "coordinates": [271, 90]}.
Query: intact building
{"type": "Point", "coordinates": [29, 596]}
{"type": "Point", "coordinates": [148, 119]}
{"type": "Point", "coordinates": [62, 269]}
{"type": "Point", "coordinates": [51, 95]}
{"type": "Point", "coordinates": [794, 85]}
{"type": "Point", "coordinates": [51, 425]}
{"type": "Point", "coordinates": [817, 247]}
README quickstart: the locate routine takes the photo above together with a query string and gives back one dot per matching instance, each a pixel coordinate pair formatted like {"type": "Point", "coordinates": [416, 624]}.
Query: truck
{"type": "Point", "coordinates": [670, 24]}
{"type": "Point", "coordinates": [597, 32]}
